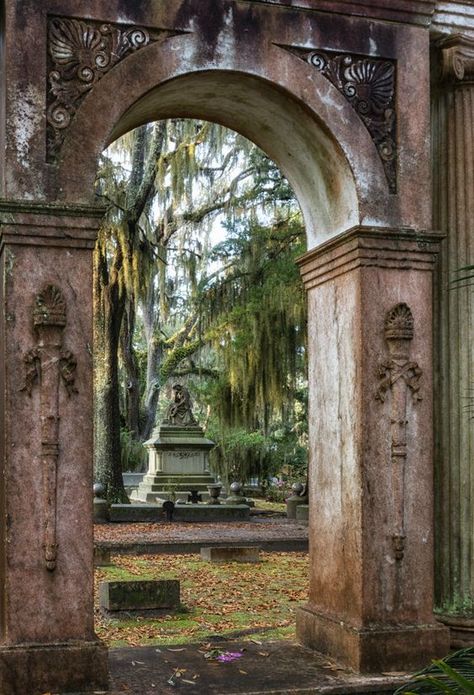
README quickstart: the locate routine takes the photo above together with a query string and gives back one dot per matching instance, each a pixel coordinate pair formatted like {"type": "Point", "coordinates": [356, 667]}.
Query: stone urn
{"type": "Point", "coordinates": [214, 490]}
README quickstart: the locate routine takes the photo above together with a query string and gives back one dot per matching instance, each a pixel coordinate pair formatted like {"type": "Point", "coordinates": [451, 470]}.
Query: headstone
{"type": "Point", "coordinates": [243, 553]}
{"type": "Point", "coordinates": [139, 595]}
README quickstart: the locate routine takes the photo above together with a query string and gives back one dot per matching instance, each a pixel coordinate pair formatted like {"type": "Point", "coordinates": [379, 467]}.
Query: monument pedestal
{"type": "Point", "coordinates": [177, 463]}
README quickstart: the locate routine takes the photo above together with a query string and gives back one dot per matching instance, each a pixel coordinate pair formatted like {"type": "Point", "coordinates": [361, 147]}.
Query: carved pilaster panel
{"type": "Point", "coordinates": [399, 377]}
{"type": "Point", "coordinates": [369, 85]}
{"type": "Point", "coordinates": [80, 53]}
{"type": "Point", "coordinates": [46, 365]}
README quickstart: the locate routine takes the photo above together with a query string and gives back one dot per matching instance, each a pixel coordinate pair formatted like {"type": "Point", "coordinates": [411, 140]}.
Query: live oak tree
{"type": "Point", "coordinates": [170, 303]}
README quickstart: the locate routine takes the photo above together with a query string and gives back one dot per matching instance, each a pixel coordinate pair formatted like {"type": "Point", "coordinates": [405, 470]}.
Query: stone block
{"type": "Point", "coordinates": [211, 512]}
{"type": "Point", "coordinates": [101, 556]}
{"type": "Point", "coordinates": [302, 513]}
{"type": "Point", "coordinates": [243, 553]}
{"type": "Point", "coordinates": [372, 649]}
{"type": "Point", "coordinates": [136, 512]}
{"type": "Point", "coordinates": [101, 511]}
{"type": "Point", "coordinates": [139, 595]}
{"type": "Point", "coordinates": [39, 668]}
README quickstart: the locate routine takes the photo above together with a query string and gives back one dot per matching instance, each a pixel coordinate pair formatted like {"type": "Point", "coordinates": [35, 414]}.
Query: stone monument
{"type": "Point", "coordinates": [178, 455]}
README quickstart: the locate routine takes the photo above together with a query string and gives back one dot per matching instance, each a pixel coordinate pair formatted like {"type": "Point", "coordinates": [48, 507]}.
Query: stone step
{"type": "Point", "coordinates": [172, 487]}
{"type": "Point", "coordinates": [162, 478]}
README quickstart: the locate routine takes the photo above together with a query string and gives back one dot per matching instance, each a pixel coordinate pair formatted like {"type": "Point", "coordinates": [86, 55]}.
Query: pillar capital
{"type": "Point", "coordinates": [457, 59]}
{"type": "Point", "coordinates": [37, 223]}
{"type": "Point", "coordinates": [370, 247]}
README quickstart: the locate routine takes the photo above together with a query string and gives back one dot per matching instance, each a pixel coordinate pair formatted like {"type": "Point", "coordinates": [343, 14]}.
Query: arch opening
{"type": "Point", "coordinates": [286, 130]}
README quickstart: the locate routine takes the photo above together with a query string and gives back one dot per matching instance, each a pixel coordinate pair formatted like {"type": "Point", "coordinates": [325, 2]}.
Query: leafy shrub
{"type": "Point", "coordinates": [453, 675]}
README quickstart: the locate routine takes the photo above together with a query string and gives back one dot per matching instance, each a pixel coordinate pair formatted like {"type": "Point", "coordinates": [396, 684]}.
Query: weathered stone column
{"type": "Point", "coordinates": [47, 640]}
{"type": "Point", "coordinates": [371, 449]}
{"type": "Point", "coordinates": [453, 197]}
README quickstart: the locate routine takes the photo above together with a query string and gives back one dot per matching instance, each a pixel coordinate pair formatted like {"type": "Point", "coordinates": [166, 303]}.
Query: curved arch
{"type": "Point", "coordinates": [292, 112]}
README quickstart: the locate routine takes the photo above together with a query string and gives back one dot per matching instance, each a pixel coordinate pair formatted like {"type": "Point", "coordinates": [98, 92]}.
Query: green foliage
{"type": "Point", "coordinates": [453, 675]}
{"type": "Point", "coordinates": [133, 453]}
{"type": "Point", "coordinates": [231, 314]}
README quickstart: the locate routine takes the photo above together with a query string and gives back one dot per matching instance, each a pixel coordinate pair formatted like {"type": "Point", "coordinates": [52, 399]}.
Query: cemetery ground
{"type": "Point", "coordinates": [234, 629]}
{"type": "Point", "coordinates": [252, 600]}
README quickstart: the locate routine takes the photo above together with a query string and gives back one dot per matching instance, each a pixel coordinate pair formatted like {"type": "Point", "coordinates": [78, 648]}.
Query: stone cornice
{"type": "Point", "coordinates": [457, 58]}
{"type": "Point", "coordinates": [35, 223]}
{"type": "Point", "coordinates": [404, 11]}
{"type": "Point", "coordinates": [453, 17]}
{"type": "Point", "coordinates": [369, 247]}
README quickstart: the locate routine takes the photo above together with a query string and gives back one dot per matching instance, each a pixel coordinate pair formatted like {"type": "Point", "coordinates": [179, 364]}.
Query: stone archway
{"type": "Point", "coordinates": [330, 97]}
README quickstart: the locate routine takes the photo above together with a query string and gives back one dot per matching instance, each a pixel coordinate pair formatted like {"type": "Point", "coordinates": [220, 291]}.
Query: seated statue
{"type": "Point", "coordinates": [179, 412]}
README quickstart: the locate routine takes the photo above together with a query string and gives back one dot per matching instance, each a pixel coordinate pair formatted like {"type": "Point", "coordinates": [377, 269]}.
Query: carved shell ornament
{"type": "Point", "coordinates": [371, 84]}
{"type": "Point", "coordinates": [368, 84]}
{"type": "Point", "coordinates": [81, 53]}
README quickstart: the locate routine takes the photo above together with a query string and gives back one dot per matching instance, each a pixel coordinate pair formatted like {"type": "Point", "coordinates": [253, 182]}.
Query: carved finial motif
{"type": "Point", "coordinates": [399, 323]}
{"type": "Point", "coordinates": [50, 307]}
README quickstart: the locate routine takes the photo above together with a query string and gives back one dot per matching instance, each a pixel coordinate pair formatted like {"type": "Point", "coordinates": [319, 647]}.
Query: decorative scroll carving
{"type": "Point", "coordinates": [368, 84]}
{"type": "Point", "coordinates": [399, 376]}
{"type": "Point", "coordinates": [80, 53]}
{"type": "Point", "coordinates": [457, 58]}
{"type": "Point", "coordinates": [46, 365]}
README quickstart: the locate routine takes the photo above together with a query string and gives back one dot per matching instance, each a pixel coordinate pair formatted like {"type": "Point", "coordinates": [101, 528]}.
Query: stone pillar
{"type": "Point", "coordinates": [453, 213]}
{"type": "Point", "coordinates": [371, 446]}
{"type": "Point", "coordinates": [47, 640]}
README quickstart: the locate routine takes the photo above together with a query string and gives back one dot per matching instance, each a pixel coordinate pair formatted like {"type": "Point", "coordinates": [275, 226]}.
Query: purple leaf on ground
{"type": "Point", "coordinates": [229, 656]}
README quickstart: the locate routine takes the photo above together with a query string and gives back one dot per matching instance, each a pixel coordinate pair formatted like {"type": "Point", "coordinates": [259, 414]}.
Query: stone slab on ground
{"type": "Point", "coordinates": [276, 668]}
{"type": "Point", "coordinates": [187, 512]}
{"type": "Point", "coordinates": [139, 595]}
{"type": "Point", "coordinates": [272, 535]}
{"type": "Point", "coordinates": [236, 553]}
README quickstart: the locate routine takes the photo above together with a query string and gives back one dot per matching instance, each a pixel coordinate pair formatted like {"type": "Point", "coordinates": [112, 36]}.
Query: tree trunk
{"type": "Point", "coordinates": [130, 365]}
{"type": "Point", "coordinates": [154, 356]}
{"type": "Point", "coordinates": [108, 311]}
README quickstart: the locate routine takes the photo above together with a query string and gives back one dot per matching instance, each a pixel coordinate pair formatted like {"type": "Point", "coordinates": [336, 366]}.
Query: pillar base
{"type": "Point", "coordinates": [461, 630]}
{"type": "Point", "coordinates": [41, 668]}
{"type": "Point", "coordinates": [372, 650]}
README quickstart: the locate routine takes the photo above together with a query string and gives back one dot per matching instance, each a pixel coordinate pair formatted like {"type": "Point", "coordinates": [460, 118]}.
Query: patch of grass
{"type": "Point", "coordinates": [270, 506]}
{"type": "Point", "coordinates": [216, 599]}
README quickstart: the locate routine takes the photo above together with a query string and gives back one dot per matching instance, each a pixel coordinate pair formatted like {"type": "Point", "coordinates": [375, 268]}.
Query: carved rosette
{"type": "Point", "coordinates": [399, 376]}
{"type": "Point", "coordinates": [80, 53]}
{"type": "Point", "coordinates": [46, 365]}
{"type": "Point", "coordinates": [457, 59]}
{"type": "Point", "coordinates": [369, 85]}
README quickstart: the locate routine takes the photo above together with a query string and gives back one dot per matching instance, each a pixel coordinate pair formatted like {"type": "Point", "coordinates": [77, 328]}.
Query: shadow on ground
{"type": "Point", "coordinates": [271, 667]}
